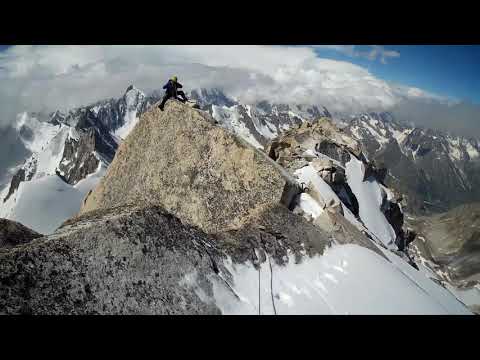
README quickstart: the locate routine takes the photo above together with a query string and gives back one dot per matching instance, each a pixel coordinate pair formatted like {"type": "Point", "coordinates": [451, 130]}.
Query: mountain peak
{"type": "Point", "coordinates": [246, 181]}
{"type": "Point", "coordinates": [131, 87]}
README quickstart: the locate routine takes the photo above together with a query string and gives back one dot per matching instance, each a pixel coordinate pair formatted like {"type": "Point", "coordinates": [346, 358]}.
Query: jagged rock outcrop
{"type": "Point", "coordinates": [321, 136]}
{"type": "Point", "coordinates": [15, 183]}
{"type": "Point", "coordinates": [200, 172]}
{"type": "Point", "coordinates": [13, 233]}
{"type": "Point", "coordinates": [376, 170]}
{"type": "Point", "coordinates": [326, 148]}
{"type": "Point", "coordinates": [79, 158]}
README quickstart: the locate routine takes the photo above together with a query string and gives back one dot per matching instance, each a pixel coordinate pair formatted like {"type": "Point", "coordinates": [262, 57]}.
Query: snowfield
{"type": "Point", "coordinates": [44, 204]}
{"type": "Point", "coordinates": [347, 279]}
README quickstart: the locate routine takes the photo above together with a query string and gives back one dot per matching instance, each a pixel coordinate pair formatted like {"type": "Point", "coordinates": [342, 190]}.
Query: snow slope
{"type": "Point", "coordinates": [347, 279]}
{"type": "Point", "coordinates": [44, 204]}
{"type": "Point", "coordinates": [446, 299]}
{"type": "Point", "coordinates": [35, 134]}
{"type": "Point", "coordinates": [48, 159]}
{"type": "Point", "coordinates": [369, 196]}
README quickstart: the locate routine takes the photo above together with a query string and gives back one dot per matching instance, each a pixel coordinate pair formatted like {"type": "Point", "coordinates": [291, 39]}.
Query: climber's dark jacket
{"type": "Point", "coordinates": [171, 88]}
{"type": "Point", "coordinates": [172, 91]}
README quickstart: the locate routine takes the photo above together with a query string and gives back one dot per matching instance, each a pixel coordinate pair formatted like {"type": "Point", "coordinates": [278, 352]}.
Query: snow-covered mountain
{"type": "Point", "coordinates": [69, 154]}
{"type": "Point", "coordinates": [256, 123]}
{"type": "Point", "coordinates": [434, 170]}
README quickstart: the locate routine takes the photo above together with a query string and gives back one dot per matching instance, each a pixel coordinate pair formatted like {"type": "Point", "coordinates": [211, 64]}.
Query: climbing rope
{"type": "Point", "coordinates": [271, 285]}
{"type": "Point", "coordinates": [258, 289]}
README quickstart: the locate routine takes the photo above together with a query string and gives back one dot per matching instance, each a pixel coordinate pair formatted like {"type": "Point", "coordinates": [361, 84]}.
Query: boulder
{"type": "Point", "coordinates": [13, 233]}
{"type": "Point", "coordinates": [180, 160]}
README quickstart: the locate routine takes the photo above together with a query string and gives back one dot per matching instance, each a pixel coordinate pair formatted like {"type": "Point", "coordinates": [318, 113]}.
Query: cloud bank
{"type": "Point", "coordinates": [37, 78]}
{"type": "Point", "coordinates": [46, 78]}
{"type": "Point", "coordinates": [375, 52]}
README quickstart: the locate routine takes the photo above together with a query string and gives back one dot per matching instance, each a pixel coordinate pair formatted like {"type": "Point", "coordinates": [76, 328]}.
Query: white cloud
{"type": "Point", "coordinates": [376, 52]}
{"type": "Point", "coordinates": [38, 78]}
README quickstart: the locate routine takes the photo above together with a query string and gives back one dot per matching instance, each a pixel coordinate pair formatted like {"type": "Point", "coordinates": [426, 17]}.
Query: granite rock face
{"type": "Point", "coordinates": [180, 160]}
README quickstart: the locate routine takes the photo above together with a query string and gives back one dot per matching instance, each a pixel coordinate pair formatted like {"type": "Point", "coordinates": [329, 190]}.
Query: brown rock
{"type": "Point", "coordinates": [207, 176]}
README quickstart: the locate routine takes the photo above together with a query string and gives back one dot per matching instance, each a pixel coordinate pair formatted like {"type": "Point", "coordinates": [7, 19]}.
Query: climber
{"type": "Point", "coordinates": [171, 91]}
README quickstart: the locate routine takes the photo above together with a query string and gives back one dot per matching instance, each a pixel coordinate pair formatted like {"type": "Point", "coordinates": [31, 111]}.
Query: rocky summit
{"type": "Point", "coordinates": [198, 171]}
{"type": "Point", "coordinates": [190, 218]}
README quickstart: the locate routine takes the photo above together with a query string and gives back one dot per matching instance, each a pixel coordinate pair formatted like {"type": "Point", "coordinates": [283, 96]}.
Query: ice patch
{"type": "Point", "coordinates": [49, 158]}
{"type": "Point", "coordinates": [41, 132]}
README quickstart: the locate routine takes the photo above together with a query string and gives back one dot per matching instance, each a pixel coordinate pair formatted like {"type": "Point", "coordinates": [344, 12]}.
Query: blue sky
{"type": "Point", "coordinates": [452, 71]}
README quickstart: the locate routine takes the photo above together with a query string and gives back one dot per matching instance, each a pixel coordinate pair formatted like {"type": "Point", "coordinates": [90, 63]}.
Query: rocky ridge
{"type": "Point", "coordinates": [129, 253]}
{"type": "Point", "coordinates": [195, 188]}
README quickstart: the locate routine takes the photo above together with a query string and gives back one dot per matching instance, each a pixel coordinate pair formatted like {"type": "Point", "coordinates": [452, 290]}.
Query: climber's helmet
{"type": "Point", "coordinates": [174, 78]}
